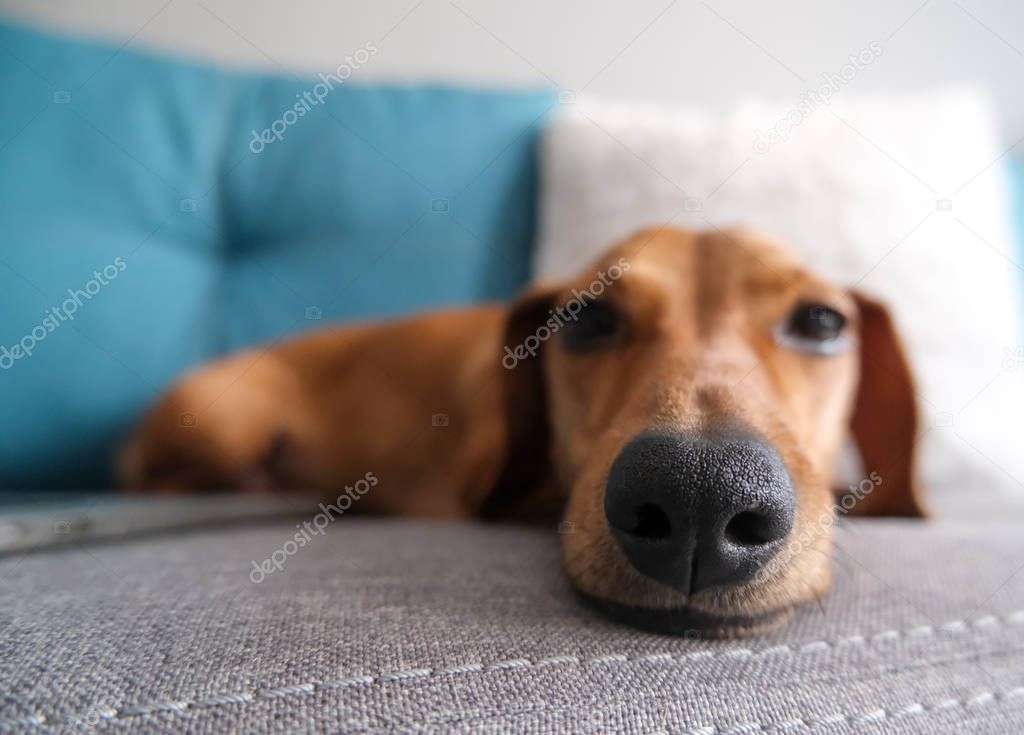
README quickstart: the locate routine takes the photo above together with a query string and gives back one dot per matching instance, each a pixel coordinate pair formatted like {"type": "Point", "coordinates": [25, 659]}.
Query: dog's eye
{"type": "Point", "coordinates": [814, 328]}
{"type": "Point", "coordinates": [598, 324]}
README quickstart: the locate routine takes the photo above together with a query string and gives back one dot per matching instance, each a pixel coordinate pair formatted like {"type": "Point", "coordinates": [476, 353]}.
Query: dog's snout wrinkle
{"type": "Point", "coordinates": [699, 511]}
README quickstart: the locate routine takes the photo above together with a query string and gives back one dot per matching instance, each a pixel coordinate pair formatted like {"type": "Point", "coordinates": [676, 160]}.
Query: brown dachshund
{"type": "Point", "coordinates": [680, 404]}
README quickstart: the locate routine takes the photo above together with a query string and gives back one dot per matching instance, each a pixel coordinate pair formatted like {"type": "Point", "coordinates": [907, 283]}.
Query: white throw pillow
{"type": "Point", "coordinates": [905, 197]}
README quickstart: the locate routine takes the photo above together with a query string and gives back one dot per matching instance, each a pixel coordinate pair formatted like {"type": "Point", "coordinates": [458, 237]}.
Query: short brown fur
{"type": "Point", "coordinates": [427, 406]}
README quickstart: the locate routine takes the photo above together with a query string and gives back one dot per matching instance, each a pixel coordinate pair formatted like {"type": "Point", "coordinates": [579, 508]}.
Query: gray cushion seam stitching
{"type": "Point", "coordinates": [869, 717]}
{"type": "Point", "coordinates": [986, 623]}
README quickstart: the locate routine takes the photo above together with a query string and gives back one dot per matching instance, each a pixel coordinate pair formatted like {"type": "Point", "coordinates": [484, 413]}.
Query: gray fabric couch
{"type": "Point", "coordinates": [389, 625]}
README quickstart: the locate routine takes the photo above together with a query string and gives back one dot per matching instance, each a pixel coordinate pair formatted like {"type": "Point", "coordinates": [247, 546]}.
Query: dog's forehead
{"type": "Point", "coordinates": [736, 258]}
{"type": "Point", "coordinates": [736, 249]}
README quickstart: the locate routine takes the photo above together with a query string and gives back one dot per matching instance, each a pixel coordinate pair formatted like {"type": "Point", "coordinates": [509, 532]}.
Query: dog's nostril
{"type": "Point", "coordinates": [651, 523]}
{"type": "Point", "coordinates": [749, 529]}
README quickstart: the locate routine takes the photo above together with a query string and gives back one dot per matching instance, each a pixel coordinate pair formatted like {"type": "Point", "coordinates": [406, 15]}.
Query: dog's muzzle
{"type": "Point", "coordinates": [699, 511]}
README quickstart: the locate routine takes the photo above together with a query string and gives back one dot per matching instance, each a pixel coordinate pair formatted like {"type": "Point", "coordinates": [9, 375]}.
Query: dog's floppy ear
{"type": "Point", "coordinates": [885, 419]}
{"type": "Point", "coordinates": [521, 490]}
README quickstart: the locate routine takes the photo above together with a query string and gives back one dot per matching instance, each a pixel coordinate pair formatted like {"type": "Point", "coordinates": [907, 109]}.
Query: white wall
{"type": "Point", "coordinates": [700, 52]}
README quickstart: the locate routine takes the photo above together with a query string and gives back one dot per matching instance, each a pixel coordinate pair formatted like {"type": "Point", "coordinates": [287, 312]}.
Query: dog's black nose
{"type": "Point", "coordinates": [699, 511]}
